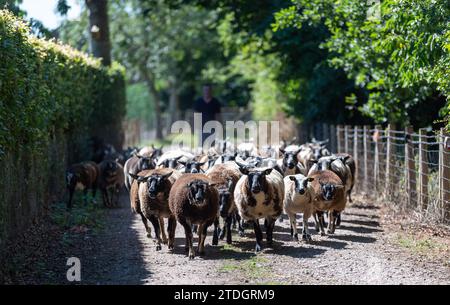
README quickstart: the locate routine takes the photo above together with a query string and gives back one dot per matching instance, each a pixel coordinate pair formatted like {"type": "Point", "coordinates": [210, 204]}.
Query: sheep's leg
{"type": "Point", "coordinates": [258, 235]}
{"type": "Point", "coordinates": [215, 240]}
{"type": "Point", "coordinates": [147, 228]}
{"type": "Point", "coordinates": [189, 236]}
{"type": "Point", "coordinates": [223, 231]}
{"type": "Point", "coordinates": [69, 203]}
{"type": "Point", "coordinates": [201, 238]}
{"type": "Point", "coordinates": [293, 222]}
{"type": "Point", "coordinates": [234, 220]}
{"type": "Point", "coordinates": [321, 222]}
{"type": "Point", "coordinates": [316, 222]}
{"type": "Point", "coordinates": [241, 231]}
{"type": "Point", "coordinates": [85, 195]}
{"type": "Point", "coordinates": [269, 230]}
{"type": "Point", "coordinates": [228, 223]}
{"type": "Point", "coordinates": [161, 228]}
{"type": "Point", "coordinates": [350, 194]}
{"type": "Point", "coordinates": [331, 222]}
{"type": "Point", "coordinates": [155, 222]}
{"type": "Point", "coordinates": [171, 228]}
{"type": "Point", "coordinates": [305, 231]}
{"type": "Point", "coordinates": [338, 220]}
{"type": "Point", "coordinates": [105, 197]}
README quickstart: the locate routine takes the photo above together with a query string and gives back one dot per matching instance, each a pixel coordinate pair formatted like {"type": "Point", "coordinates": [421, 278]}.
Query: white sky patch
{"type": "Point", "coordinates": [45, 11]}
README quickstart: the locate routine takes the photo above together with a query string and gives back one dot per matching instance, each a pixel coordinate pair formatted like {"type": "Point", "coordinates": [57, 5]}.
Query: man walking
{"type": "Point", "coordinates": [209, 107]}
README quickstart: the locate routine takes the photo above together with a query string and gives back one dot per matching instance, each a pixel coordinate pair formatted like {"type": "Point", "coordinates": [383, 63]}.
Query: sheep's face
{"type": "Point", "coordinates": [225, 196]}
{"type": "Point", "coordinates": [111, 168]}
{"type": "Point", "coordinates": [256, 179]}
{"type": "Point", "coordinates": [301, 183]}
{"type": "Point", "coordinates": [289, 158]}
{"type": "Point", "coordinates": [319, 152]}
{"type": "Point", "coordinates": [145, 163]}
{"type": "Point", "coordinates": [324, 163]}
{"type": "Point", "coordinates": [71, 179]}
{"type": "Point", "coordinates": [228, 157]}
{"type": "Point", "coordinates": [171, 163]}
{"type": "Point", "coordinates": [156, 184]}
{"type": "Point", "coordinates": [192, 166]}
{"type": "Point", "coordinates": [329, 190]}
{"type": "Point", "coordinates": [197, 191]}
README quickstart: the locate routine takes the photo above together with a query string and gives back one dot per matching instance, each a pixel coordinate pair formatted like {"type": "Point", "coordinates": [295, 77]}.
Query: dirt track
{"type": "Point", "coordinates": [359, 253]}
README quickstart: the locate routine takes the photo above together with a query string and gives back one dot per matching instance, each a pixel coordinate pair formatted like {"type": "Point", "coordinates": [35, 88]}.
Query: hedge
{"type": "Point", "coordinates": [52, 99]}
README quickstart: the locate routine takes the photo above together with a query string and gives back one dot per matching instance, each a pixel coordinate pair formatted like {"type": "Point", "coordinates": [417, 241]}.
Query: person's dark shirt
{"type": "Point", "coordinates": [208, 110]}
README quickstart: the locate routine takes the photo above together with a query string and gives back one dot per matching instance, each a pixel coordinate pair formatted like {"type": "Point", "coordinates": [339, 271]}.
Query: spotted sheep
{"type": "Point", "coordinates": [289, 164]}
{"type": "Point", "coordinates": [194, 200]}
{"type": "Point", "coordinates": [329, 195]}
{"type": "Point", "coordinates": [259, 194]}
{"type": "Point", "coordinates": [225, 176]}
{"type": "Point", "coordinates": [82, 176]}
{"type": "Point", "coordinates": [298, 199]}
{"type": "Point", "coordinates": [150, 199]}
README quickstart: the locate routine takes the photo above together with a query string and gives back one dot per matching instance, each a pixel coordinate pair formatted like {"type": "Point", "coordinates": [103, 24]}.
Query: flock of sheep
{"type": "Point", "coordinates": [241, 185]}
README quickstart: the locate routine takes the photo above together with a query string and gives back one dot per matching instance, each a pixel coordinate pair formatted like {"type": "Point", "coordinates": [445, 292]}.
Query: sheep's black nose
{"type": "Point", "coordinates": [291, 165]}
{"type": "Point", "coordinates": [256, 190]}
{"type": "Point", "coordinates": [194, 171]}
{"type": "Point", "coordinates": [302, 192]}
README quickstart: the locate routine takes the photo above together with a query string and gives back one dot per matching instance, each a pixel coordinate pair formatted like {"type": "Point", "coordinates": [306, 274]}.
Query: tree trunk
{"type": "Point", "coordinates": [100, 45]}
{"type": "Point", "coordinates": [173, 104]}
{"type": "Point", "coordinates": [154, 93]}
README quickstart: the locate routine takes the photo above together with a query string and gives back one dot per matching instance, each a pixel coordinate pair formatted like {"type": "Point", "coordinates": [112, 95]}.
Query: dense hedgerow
{"type": "Point", "coordinates": [52, 99]}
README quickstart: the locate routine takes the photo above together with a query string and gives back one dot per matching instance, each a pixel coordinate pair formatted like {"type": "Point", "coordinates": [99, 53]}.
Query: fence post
{"type": "Point", "coordinates": [410, 167]}
{"type": "Point", "coordinates": [346, 134]}
{"type": "Point", "coordinates": [376, 170]}
{"type": "Point", "coordinates": [366, 145]}
{"type": "Point", "coordinates": [339, 138]}
{"type": "Point", "coordinates": [444, 173]}
{"type": "Point", "coordinates": [389, 154]}
{"type": "Point", "coordinates": [423, 170]}
{"type": "Point", "coordinates": [356, 155]}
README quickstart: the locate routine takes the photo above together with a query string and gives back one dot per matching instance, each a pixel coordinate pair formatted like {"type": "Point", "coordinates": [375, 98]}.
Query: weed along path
{"type": "Point", "coordinates": [362, 251]}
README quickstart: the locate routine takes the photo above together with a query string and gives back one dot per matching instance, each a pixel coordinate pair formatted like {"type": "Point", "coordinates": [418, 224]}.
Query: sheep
{"type": "Point", "coordinates": [298, 199]}
{"type": "Point", "coordinates": [136, 164]}
{"type": "Point", "coordinates": [194, 200]}
{"type": "Point", "coordinates": [225, 157]}
{"type": "Point", "coordinates": [192, 166]}
{"type": "Point", "coordinates": [289, 165]}
{"type": "Point", "coordinates": [82, 176]}
{"type": "Point", "coordinates": [247, 149]}
{"type": "Point", "coordinates": [329, 195]}
{"type": "Point", "coordinates": [151, 151]}
{"type": "Point", "coordinates": [259, 194]}
{"type": "Point", "coordinates": [225, 176]}
{"type": "Point", "coordinates": [177, 154]}
{"type": "Point", "coordinates": [169, 163]}
{"type": "Point", "coordinates": [111, 179]}
{"type": "Point", "coordinates": [350, 162]}
{"type": "Point", "coordinates": [134, 198]}
{"type": "Point", "coordinates": [153, 193]}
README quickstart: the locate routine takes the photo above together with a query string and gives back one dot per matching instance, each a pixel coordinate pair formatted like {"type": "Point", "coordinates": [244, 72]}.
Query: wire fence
{"type": "Point", "coordinates": [410, 170]}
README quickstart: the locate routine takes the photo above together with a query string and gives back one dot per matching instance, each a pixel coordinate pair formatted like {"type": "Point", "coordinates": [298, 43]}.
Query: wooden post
{"type": "Point", "coordinates": [376, 167]}
{"type": "Point", "coordinates": [423, 170]}
{"type": "Point", "coordinates": [366, 146]}
{"type": "Point", "coordinates": [356, 155]}
{"type": "Point", "coordinates": [444, 174]}
{"type": "Point", "coordinates": [339, 138]}
{"type": "Point", "coordinates": [410, 168]}
{"type": "Point", "coordinates": [389, 157]}
{"type": "Point", "coordinates": [346, 134]}
{"type": "Point", "coordinates": [325, 131]}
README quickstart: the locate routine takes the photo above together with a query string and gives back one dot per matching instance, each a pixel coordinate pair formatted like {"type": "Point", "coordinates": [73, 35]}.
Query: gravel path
{"type": "Point", "coordinates": [358, 253]}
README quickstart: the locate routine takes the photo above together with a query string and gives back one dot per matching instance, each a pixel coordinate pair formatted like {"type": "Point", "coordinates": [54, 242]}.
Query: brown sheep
{"type": "Point", "coordinates": [329, 195]}
{"type": "Point", "coordinates": [194, 200]}
{"type": "Point", "coordinates": [136, 164]}
{"type": "Point", "coordinates": [153, 195]}
{"type": "Point", "coordinates": [225, 176]}
{"type": "Point", "coordinates": [82, 176]}
{"type": "Point", "coordinates": [110, 181]}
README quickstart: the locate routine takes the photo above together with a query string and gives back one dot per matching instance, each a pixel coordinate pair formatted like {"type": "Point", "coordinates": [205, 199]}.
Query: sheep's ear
{"type": "Point", "coordinates": [178, 158]}
{"type": "Point", "coordinates": [345, 158]}
{"type": "Point", "coordinates": [282, 151]}
{"type": "Point", "coordinates": [292, 178]}
{"type": "Point", "coordinates": [201, 163]}
{"type": "Point", "coordinates": [182, 162]}
{"type": "Point", "coordinates": [268, 171]}
{"type": "Point", "coordinates": [305, 182]}
{"type": "Point", "coordinates": [243, 170]}
{"type": "Point", "coordinates": [167, 175]}
{"type": "Point", "coordinates": [135, 177]}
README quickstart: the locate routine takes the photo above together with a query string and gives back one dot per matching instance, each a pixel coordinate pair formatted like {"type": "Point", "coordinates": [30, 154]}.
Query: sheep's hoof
{"type": "Point", "coordinates": [149, 235]}
{"type": "Point", "coordinates": [323, 234]}
{"type": "Point", "coordinates": [191, 255]}
{"type": "Point", "coordinates": [306, 237]}
{"type": "Point", "coordinates": [158, 248]}
{"type": "Point", "coordinates": [258, 248]}
{"type": "Point", "coordinates": [295, 237]}
{"type": "Point", "coordinates": [241, 233]}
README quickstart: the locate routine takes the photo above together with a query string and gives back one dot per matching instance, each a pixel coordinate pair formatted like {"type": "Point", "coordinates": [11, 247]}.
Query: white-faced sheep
{"type": "Point", "coordinates": [225, 176]}
{"type": "Point", "coordinates": [194, 200]}
{"type": "Point", "coordinates": [83, 176]}
{"type": "Point", "coordinates": [329, 195]}
{"type": "Point", "coordinates": [289, 164]}
{"type": "Point", "coordinates": [154, 190]}
{"type": "Point", "coordinates": [259, 194]}
{"type": "Point", "coordinates": [298, 199]}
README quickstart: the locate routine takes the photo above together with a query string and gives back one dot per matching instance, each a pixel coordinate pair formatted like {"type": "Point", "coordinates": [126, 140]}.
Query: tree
{"type": "Point", "coordinates": [100, 45]}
